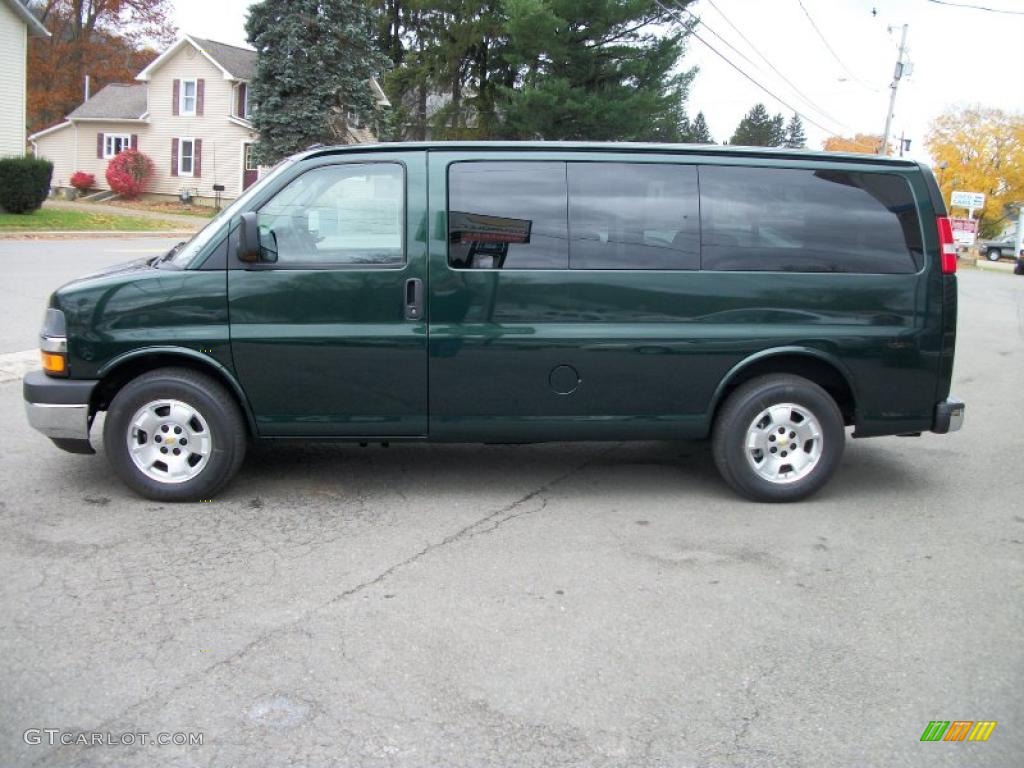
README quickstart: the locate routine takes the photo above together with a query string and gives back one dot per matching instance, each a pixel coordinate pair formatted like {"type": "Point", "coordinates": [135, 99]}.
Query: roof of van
{"type": "Point", "coordinates": [621, 147]}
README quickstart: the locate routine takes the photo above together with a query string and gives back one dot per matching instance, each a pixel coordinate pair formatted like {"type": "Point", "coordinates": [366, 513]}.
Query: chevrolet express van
{"type": "Point", "coordinates": [523, 292]}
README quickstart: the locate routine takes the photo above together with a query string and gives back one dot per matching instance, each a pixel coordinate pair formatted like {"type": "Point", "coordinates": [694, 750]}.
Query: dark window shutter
{"type": "Point", "coordinates": [197, 160]}
{"type": "Point", "coordinates": [99, 145]}
{"type": "Point", "coordinates": [177, 96]}
{"type": "Point", "coordinates": [241, 99]}
{"type": "Point", "coordinates": [174, 157]}
{"type": "Point", "coordinates": [200, 89]}
{"type": "Point", "coordinates": [135, 141]}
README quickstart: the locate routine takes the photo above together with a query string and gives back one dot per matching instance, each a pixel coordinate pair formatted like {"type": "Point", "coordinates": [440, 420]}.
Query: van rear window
{"type": "Point", "coordinates": [794, 220]}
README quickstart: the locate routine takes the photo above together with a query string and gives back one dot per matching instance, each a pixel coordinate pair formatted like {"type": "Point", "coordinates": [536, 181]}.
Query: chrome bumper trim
{"type": "Point", "coordinates": [67, 422]}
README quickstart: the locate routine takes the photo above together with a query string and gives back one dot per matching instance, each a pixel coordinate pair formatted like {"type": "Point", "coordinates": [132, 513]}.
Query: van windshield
{"type": "Point", "coordinates": [181, 255]}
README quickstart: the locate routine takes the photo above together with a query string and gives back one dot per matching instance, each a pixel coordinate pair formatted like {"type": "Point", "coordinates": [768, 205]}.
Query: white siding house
{"type": "Point", "coordinates": [189, 112]}
{"type": "Point", "coordinates": [16, 24]}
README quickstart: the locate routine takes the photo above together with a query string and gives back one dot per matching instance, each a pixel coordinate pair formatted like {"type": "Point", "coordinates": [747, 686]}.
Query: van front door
{"type": "Point", "coordinates": [328, 330]}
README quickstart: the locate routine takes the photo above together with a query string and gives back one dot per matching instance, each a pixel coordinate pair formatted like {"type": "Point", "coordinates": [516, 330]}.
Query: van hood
{"type": "Point", "coordinates": [115, 270]}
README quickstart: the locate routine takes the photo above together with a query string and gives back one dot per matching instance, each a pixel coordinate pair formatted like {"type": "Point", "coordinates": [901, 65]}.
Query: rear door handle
{"type": "Point", "coordinates": [413, 298]}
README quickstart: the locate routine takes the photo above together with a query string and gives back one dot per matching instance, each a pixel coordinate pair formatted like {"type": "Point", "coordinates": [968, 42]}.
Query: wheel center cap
{"type": "Point", "coordinates": [783, 442]}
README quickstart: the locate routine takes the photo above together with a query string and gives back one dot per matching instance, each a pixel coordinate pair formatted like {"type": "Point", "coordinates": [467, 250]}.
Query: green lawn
{"type": "Point", "coordinates": [51, 219]}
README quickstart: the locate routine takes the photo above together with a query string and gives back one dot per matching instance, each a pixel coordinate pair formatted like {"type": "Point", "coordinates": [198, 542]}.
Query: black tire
{"type": "Point", "coordinates": [993, 254]}
{"type": "Point", "coordinates": [225, 426]}
{"type": "Point", "coordinates": [736, 417]}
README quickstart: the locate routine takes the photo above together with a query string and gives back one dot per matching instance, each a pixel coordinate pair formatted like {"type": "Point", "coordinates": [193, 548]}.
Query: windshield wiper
{"type": "Point", "coordinates": [167, 256]}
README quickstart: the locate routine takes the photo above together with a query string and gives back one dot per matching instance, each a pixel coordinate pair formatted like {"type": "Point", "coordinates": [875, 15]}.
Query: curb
{"type": "Point", "coordinates": [994, 266]}
{"type": "Point", "coordinates": [14, 365]}
{"type": "Point", "coordinates": [95, 234]}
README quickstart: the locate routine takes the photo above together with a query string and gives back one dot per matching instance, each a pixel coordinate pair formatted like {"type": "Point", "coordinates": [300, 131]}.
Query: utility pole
{"type": "Point", "coordinates": [901, 66]}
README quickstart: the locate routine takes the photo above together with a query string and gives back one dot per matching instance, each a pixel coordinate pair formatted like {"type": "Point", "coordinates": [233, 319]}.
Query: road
{"type": "Point", "coordinates": [32, 269]}
{"type": "Point", "coordinates": [555, 605]}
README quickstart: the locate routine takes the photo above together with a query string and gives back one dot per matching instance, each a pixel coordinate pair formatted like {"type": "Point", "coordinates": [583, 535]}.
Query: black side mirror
{"type": "Point", "coordinates": [249, 238]}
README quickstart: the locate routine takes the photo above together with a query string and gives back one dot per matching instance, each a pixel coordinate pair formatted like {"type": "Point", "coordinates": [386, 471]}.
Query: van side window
{"type": "Point", "coordinates": [338, 215]}
{"type": "Point", "coordinates": [793, 220]}
{"type": "Point", "coordinates": [633, 216]}
{"type": "Point", "coordinates": [507, 215]}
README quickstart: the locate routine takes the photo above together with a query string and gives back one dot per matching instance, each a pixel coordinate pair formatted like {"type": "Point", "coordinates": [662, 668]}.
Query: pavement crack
{"type": "Point", "coordinates": [485, 525]}
{"type": "Point", "coordinates": [750, 693]}
{"type": "Point", "coordinates": [491, 522]}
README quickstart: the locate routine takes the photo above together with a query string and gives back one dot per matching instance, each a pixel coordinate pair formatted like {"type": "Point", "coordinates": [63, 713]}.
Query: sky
{"type": "Point", "coordinates": [960, 57]}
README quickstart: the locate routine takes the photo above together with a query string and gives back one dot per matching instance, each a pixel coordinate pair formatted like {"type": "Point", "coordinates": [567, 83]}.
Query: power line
{"type": "Point", "coordinates": [726, 59]}
{"type": "Point", "coordinates": [977, 7]}
{"type": "Point", "coordinates": [699, 20]}
{"type": "Point", "coordinates": [829, 47]}
{"type": "Point", "coordinates": [804, 97]}
{"type": "Point", "coordinates": [807, 100]}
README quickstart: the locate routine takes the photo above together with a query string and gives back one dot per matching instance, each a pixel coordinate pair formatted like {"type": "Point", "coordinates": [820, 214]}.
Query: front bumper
{"type": "Point", "coordinates": [59, 408]}
{"type": "Point", "coordinates": [949, 416]}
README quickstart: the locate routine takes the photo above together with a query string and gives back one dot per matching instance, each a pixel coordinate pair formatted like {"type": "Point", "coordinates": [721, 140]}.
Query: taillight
{"type": "Point", "coordinates": [947, 246]}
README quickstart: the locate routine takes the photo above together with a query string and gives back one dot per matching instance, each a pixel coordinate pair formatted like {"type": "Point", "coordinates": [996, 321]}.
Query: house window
{"type": "Point", "coordinates": [186, 157]}
{"type": "Point", "coordinates": [243, 101]}
{"type": "Point", "coordinates": [188, 97]}
{"type": "Point", "coordinates": [115, 143]}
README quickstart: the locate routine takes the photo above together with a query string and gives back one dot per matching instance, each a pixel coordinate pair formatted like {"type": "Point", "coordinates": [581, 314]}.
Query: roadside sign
{"type": "Point", "coordinates": [965, 231]}
{"type": "Point", "coordinates": [969, 200]}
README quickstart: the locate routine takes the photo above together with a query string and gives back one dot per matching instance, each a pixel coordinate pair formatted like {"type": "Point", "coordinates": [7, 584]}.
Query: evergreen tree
{"type": "Point", "coordinates": [551, 69]}
{"type": "Point", "coordinates": [778, 131]}
{"type": "Point", "coordinates": [593, 70]}
{"type": "Point", "coordinates": [314, 65]}
{"type": "Point", "coordinates": [759, 129]}
{"type": "Point", "coordinates": [795, 137]}
{"type": "Point", "coordinates": [699, 133]}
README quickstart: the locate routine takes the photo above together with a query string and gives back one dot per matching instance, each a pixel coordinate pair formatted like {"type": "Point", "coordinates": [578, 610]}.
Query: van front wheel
{"type": "Point", "coordinates": [174, 435]}
{"type": "Point", "coordinates": [778, 438]}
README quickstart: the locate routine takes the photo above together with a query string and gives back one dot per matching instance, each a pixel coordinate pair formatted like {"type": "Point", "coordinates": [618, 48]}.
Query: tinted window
{"type": "Point", "coordinates": [337, 215]}
{"type": "Point", "coordinates": [633, 216]}
{"type": "Point", "coordinates": [507, 215]}
{"type": "Point", "coordinates": [808, 221]}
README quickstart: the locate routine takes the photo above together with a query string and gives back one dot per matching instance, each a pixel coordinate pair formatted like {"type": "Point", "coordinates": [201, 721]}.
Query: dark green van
{"type": "Point", "coordinates": [515, 293]}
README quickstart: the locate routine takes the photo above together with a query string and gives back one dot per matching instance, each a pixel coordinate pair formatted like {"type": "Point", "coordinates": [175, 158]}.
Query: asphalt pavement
{"type": "Point", "coordinates": [32, 269]}
{"type": "Point", "coordinates": [553, 605]}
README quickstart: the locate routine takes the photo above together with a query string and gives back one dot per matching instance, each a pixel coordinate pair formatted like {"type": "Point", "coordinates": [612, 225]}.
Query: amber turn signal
{"type": "Point", "coordinates": [54, 363]}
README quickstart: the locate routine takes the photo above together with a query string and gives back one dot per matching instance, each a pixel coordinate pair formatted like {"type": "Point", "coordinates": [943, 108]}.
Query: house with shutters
{"type": "Point", "coordinates": [188, 111]}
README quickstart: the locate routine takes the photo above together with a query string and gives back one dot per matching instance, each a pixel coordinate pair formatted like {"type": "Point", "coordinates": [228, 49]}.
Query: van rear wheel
{"type": "Point", "coordinates": [778, 438]}
{"type": "Point", "coordinates": [174, 435]}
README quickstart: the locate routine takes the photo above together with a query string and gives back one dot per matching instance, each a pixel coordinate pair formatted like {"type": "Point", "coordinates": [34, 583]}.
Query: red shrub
{"type": "Point", "coordinates": [129, 173]}
{"type": "Point", "coordinates": [82, 181]}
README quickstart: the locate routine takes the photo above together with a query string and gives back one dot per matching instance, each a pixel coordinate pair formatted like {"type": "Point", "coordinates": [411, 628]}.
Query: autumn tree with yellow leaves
{"type": "Point", "coordinates": [979, 149]}
{"type": "Point", "coordinates": [864, 143]}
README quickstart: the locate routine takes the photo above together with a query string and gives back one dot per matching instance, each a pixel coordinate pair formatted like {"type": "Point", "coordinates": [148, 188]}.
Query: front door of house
{"type": "Point", "coordinates": [250, 171]}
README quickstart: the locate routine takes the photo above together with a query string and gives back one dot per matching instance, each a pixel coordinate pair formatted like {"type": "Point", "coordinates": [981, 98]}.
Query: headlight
{"type": "Point", "coordinates": [53, 343]}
